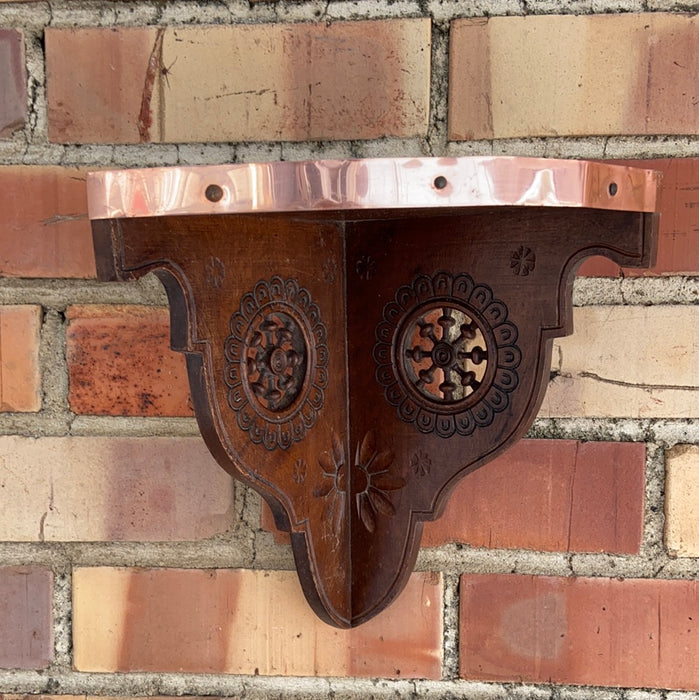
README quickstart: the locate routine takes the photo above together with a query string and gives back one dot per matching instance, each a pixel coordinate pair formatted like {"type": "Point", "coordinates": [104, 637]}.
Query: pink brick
{"type": "Point", "coordinates": [111, 488]}
{"type": "Point", "coordinates": [588, 631]}
{"type": "Point", "coordinates": [587, 497]}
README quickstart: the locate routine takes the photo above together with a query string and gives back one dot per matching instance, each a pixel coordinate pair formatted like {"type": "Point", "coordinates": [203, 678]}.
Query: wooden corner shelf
{"type": "Point", "coordinates": [361, 334]}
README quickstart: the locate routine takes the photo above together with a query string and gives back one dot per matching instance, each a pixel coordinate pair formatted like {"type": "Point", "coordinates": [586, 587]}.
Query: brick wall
{"type": "Point", "coordinates": [130, 564]}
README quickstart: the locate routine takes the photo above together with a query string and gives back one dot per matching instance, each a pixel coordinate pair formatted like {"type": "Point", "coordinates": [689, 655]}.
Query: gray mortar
{"type": "Point", "coordinates": [61, 682]}
{"type": "Point", "coordinates": [52, 352]}
{"type": "Point", "coordinates": [58, 295]}
{"type": "Point", "coordinates": [450, 621]}
{"type": "Point", "coordinates": [62, 618]}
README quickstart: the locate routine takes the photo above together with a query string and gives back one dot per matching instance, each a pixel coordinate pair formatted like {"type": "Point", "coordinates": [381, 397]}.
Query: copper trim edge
{"type": "Point", "coordinates": [386, 183]}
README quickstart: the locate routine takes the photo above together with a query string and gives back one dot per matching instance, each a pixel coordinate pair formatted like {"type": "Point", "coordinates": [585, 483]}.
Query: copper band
{"type": "Point", "coordinates": [391, 183]}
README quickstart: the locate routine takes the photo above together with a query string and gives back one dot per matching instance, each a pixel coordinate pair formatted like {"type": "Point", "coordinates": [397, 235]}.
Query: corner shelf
{"type": "Point", "coordinates": [362, 334]}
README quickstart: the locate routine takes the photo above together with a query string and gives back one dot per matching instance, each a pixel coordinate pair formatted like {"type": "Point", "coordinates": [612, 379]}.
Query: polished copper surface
{"type": "Point", "coordinates": [388, 183]}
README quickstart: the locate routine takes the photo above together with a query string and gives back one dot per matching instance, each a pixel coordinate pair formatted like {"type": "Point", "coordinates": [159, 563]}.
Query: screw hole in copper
{"type": "Point", "coordinates": [213, 193]}
{"type": "Point", "coordinates": [440, 182]}
{"type": "Point", "coordinates": [613, 189]}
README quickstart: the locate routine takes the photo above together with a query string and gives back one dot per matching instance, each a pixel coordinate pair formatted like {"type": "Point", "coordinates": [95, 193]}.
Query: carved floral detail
{"type": "Point", "coordinates": [330, 270]}
{"type": "Point", "coordinates": [365, 267]}
{"type": "Point", "coordinates": [276, 363]}
{"type": "Point", "coordinates": [215, 271]}
{"type": "Point", "coordinates": [300, 471]}
{"type": "Point", "coordinates": [369, 480]}
{"type": "Point", "coordinates": [523, 261]}
{"type": "Point", "coordinates": [446, 354]}
{"type": "Point", "coordinates": [420, 463]}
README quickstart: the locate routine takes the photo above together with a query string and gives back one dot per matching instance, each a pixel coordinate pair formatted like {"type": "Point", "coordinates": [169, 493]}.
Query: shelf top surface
{"type": "Point", "coordinates": [373, 183]}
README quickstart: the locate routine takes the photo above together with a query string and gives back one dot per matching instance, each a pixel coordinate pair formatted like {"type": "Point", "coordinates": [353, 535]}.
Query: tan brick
{"type": "Point", "coordinates": [345, 80]}
{"type": "Point", "coordinates": [89, 489]}
{"type": "Point", "coordinates": [44, 230]}
{"type": "Point", "coordinates": [13, 82]}
{"type": "Point", "coordinates": [120, 362]}
{"type": "Point", "coordinates": [566, 75]}
{"type": "Point", "coordinates": [627, 361]}
{"type": "Point", "coordinates": [26, 630]}
{"type": "Point", "coordinates": [678, 237]}
{"type": "Point", "coordinates": [591, 631]}
{"type": "Point", "coordinates": [20, 377]}
{"type": "Point", "coordinates": [682, 500]}
{"type": "Point", "coordinates": [240, 621]}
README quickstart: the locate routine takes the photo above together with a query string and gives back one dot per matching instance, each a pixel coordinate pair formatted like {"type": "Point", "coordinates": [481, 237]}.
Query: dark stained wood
{"type": "Point", "coordinates": [352, 367]}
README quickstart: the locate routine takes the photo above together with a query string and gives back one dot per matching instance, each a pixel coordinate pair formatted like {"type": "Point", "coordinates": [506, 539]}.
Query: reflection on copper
{"type": "Point", "coordinates": [389, 183]}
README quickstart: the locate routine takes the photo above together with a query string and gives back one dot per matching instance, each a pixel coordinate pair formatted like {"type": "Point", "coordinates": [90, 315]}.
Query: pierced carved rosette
{"type": "Point", "coordinates": [446, 354]}
{"type": "Point", "coordinates": [276, 363]}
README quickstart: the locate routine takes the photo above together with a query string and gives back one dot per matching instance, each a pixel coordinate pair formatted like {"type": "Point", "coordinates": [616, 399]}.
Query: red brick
{"type": "Point", "coordinates": [567, 75]}
{"type": "Point", "coordinates": [13, 82]}
{"type": "Point", "coordinates": [94, 82]}
{"type": "Point", "coordinates": [586, 497]}
{"type": "Point", "coordinates": [249, 622]}
{"type": "Point", "coordinates": [59, 489]}
{"type": "Point", "coordinates": [678, 241]}
{"type": "Point", "coordinates": [44, 230]}
{"type": "Point", "coordinates": [20, 377]}
{"type": "Point", "coordinates": [589, 631]}
{"type": "Point", "coordinates": [289, 82]}
{"type": "Point", "coordinates": [120, 362]}
{"type": "Point", "coordinates": [26, 636]}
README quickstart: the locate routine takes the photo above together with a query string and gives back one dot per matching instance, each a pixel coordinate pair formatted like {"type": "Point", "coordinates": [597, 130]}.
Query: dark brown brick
{"type": "Point", "coordinates": [26, 634]}
{"type": "Point", "coordinates": [13, 82]}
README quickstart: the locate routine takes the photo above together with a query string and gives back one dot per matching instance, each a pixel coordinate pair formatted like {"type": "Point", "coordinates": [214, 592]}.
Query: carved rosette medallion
{"type": "Point", "coordinates": [276, 363]}
{"type": "Point", "coordinates": [446, 354]}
